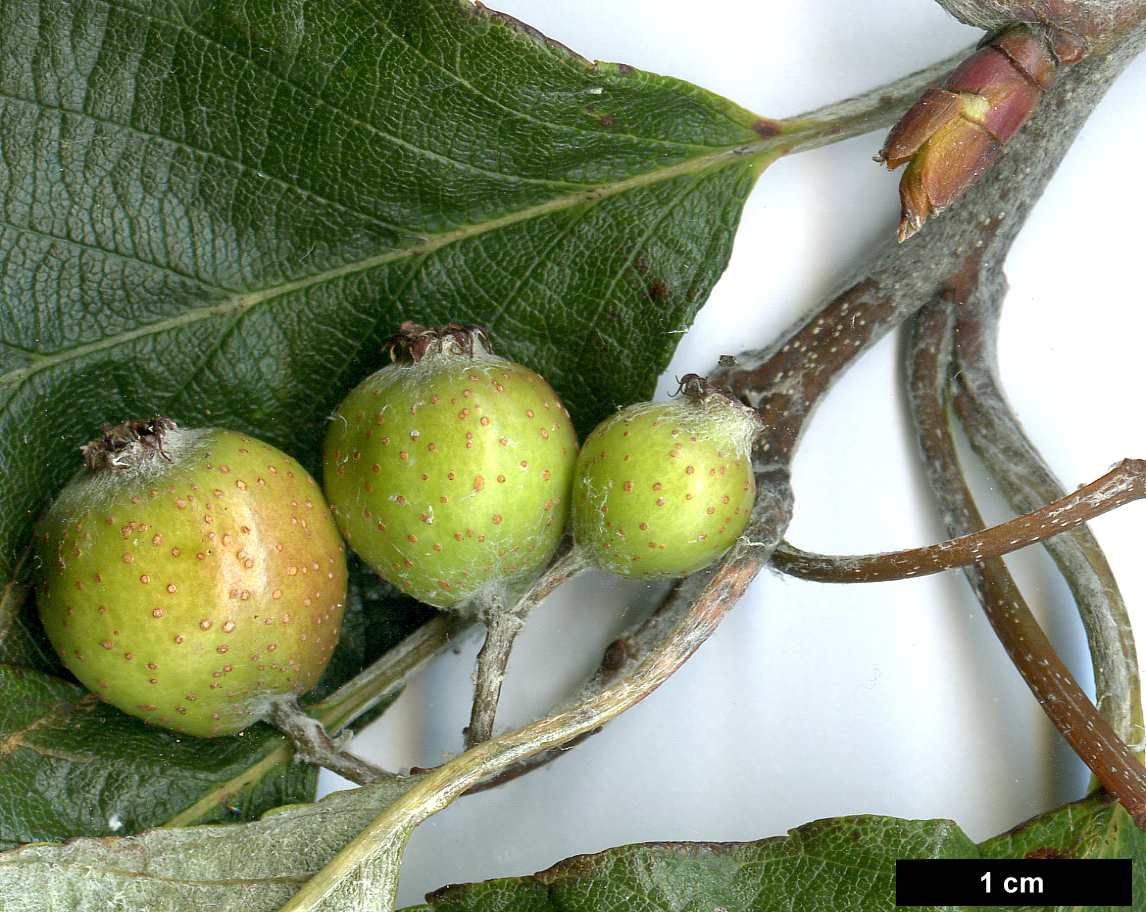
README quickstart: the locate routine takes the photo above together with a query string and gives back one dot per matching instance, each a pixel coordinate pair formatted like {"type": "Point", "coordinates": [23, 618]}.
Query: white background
{"type": "Point", "coordinates": [814, 700]}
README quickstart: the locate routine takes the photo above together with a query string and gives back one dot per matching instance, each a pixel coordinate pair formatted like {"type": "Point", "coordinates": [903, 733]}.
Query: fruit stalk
{"type": "Point", "coordinates": [502, 629]}
{"type": "Point", "coordinates": [313, 745]}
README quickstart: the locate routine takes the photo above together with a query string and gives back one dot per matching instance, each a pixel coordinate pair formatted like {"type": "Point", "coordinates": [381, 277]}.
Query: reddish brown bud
{"type": "Point", "coordinates": [953, 134]}
{"type": "Point", "coordinates": [1028, 55]}
{"type": "Point", "coordinates": [936, 108]}
{"type": "Point", "coordinates": [956, 157]}
{"type": "Point", "coordinates": [1068, 47]}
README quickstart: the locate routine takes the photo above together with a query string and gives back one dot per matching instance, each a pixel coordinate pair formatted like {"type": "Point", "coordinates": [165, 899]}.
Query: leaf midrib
{"type": "Point", "coordinates": [238, 304]}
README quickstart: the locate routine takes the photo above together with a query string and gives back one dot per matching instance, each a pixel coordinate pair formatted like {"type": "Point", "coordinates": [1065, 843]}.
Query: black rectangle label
{"type": "Point", "coordinates": [1014, 882]}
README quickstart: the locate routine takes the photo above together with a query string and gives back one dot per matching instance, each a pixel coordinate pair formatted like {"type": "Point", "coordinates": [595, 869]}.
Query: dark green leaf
{"type": "Point", "coordinates": [72, 765]}
{"type": "Point", "coordinates": [218, 211]}
{"type": "Point", "coordinates": [1094, 827]}
{"type": "Point", "coordinates": [825, 866]}
{"type": "Point", "coordinates": [829, 865]}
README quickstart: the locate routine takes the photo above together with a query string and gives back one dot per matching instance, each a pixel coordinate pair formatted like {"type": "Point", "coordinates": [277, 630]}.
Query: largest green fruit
{"type": "Point", "coordinates": [191, 577]}
{"type": "Point", "coordinates": [449, 470]}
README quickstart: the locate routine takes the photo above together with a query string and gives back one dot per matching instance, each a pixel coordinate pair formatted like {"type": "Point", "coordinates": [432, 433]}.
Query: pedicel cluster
{"type": "Point", "coordinates": [195, 577]}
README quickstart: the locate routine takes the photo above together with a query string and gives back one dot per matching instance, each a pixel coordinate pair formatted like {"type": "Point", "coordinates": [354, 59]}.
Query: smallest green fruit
{"type": "Point", "coordinates": [663, 489]}
{"type": "Point", "coordinates": [191, 577]}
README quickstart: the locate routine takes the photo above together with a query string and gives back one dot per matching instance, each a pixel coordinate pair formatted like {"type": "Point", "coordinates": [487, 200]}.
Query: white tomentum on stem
{"type": "Point", "coordinates": [385, 838]}
{"type": "Point", "coordinates": [893, 286]}
{"type": "Point", "coordinates": [933, 261]}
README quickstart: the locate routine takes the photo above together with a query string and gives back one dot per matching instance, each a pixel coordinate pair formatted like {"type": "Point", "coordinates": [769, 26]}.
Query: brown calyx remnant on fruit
{"type": "Point", "coordinates": [696, 387]}
{"type": "Point", "coordinates": [412, 341]}
{"type": "Point", "coordinates": [109, 450]}
{"type": "Point", "coordinates": [721, 401]}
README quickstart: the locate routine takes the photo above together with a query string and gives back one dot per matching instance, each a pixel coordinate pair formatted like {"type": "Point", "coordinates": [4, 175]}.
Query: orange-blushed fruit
{"type": "Point", "coordinates": [191, 577]}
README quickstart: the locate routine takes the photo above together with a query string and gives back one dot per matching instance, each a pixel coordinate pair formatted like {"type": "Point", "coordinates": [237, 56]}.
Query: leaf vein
{"type": "Point", "coordinates": [242, 302]}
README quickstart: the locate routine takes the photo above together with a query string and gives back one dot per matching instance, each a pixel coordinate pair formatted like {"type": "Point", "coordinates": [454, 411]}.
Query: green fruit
{"type": "Point", "coordinates": [191, 577]}
{"type": "Point", "coordinates": [663, 489]}
{"type": "Point", "coordinates": [449, 469]}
